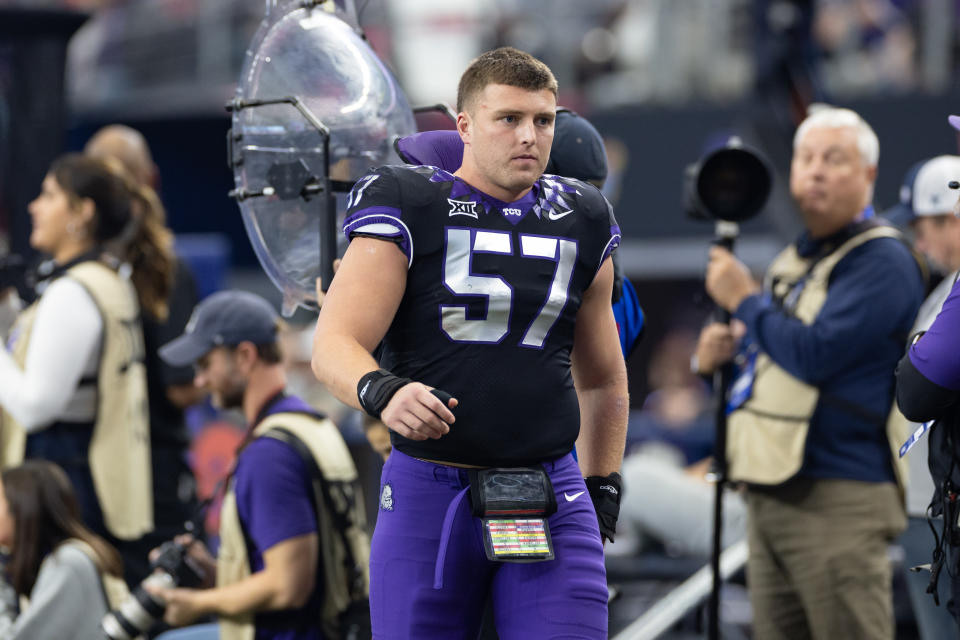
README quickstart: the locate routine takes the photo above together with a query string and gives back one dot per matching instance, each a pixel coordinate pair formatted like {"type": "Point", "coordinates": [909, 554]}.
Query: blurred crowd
{"type": "Point", "coordinates": [627, 51]}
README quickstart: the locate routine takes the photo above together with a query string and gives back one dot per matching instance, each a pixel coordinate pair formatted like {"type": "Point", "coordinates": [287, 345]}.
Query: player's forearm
{"type": "Point", "coordinates": [603, 427]}
{"type": "Point", "coordinates": [339, 362]}
{"type": "Point", "coordinates": [357, 312]}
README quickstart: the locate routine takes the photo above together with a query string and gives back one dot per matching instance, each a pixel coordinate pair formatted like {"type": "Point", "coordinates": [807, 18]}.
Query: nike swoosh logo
{"type": "Point", "coordinates": [571, 498]}
{"type": "Point", "coordinates": [553, 215]}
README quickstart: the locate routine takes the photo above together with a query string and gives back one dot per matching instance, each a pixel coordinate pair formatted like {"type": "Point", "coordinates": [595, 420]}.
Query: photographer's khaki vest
{"type": "Point", "coordinates": [325, 443]}
{"type": "Point", "coordinates": [119, 456]}
{"type": "Point", "coordinates": [767, 435]}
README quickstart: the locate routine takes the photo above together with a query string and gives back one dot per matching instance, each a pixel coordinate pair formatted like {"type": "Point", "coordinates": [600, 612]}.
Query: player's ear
{"type": "Point", "coordinates": [464, 126]}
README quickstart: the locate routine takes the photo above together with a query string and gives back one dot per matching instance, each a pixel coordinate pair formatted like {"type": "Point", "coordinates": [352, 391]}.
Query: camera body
{"type": "Point", "coordinates": [173, 567]}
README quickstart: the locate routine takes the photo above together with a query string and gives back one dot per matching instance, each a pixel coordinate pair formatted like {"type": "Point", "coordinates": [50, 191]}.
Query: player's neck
{"type": "Point", "coordinates": [478, 181]}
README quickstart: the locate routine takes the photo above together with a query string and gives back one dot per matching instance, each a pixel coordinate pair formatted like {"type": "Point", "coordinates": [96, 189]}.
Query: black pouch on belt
{"type": "Point", "coordinates": [514, 504]}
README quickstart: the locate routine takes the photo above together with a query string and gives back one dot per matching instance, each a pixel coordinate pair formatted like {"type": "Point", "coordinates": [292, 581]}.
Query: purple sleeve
{"type": "Point", "coordinates": [374, 210]}
{"type": "Point", "coordinates": [274, 498]}
{"type": "Point", "coordinates": [608, 232]}
{"type": "Point", "coordinates": [937, 354]}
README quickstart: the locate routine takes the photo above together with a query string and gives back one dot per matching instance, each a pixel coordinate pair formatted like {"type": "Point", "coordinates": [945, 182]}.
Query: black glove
{"type": "Point", "coordinates": [376, 388]}
{"type": "Point", "coordinates": [605, 493]}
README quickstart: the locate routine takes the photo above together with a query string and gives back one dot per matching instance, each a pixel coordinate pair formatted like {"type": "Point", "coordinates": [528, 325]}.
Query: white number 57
{"type": "Point", "coordinates": [461, 244]}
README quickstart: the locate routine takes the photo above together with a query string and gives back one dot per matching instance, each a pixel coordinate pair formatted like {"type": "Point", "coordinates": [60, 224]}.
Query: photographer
{"type": "Point", "coordinates": [293, 549]}
{"type": "Point", "coordinates": [73, 386]}
{"type": "Point", "coordinates": [808, 412]}
{"type": "Point", "coordinates": [61, 566]}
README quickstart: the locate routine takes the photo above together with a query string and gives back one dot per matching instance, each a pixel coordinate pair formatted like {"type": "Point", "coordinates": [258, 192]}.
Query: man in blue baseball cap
{"type": "Point", "coordinates": [224, 319]}
{"type": "Point", "coordinates": [292, 561]}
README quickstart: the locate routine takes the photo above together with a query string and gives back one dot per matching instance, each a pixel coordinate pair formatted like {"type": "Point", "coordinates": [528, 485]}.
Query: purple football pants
{"type": "Point", "coordinates": [429, 573]}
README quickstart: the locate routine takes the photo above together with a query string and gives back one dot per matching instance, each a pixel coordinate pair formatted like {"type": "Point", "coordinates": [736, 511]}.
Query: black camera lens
{"type": "Point", "coordinates": [732, 183]}
{"type": "Point", "coordinates": [140, 610]}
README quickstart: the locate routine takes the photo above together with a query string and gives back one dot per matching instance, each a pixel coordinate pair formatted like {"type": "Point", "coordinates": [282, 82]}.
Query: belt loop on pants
{"type": "Point", "coordinates": [445, 536]}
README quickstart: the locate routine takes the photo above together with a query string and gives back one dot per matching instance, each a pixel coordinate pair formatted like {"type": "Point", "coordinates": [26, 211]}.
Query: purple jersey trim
{"type": "Point", "coordinates": [612, 244]}
{"type": "Point", "coordinates": [440, 175]}
{"type": "Point", "coordinates": [373, 216]}
{"type": "Point", "coordinates": [384, 210]}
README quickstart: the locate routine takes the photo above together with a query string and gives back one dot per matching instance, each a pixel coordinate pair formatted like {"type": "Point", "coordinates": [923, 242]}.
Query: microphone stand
{"type": "Point", "coordinates": [725, 235]}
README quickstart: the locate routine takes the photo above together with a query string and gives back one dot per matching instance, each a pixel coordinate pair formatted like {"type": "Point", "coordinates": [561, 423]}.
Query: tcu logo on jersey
{"type": "Point", "coordinates": [461, 208]}
{"type": "Point", "coordinates": [512, 212]}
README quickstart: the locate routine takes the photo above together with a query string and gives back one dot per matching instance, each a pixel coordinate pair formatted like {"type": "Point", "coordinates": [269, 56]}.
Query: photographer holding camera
{"type": "Point", "coordinates": [72, 385]}
{"type": "Point", "coordinates": [64, 569]}
{"type": "Point", "coordinates": [808, 411]}
{"type": "Point", "coordinates": [293, 547]}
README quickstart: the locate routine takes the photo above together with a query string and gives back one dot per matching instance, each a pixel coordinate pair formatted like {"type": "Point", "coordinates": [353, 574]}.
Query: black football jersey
{"type": "Point", "coordinates": [488, 313]}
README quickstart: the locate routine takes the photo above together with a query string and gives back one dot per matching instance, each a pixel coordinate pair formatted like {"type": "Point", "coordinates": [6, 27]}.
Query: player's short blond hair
{"type": "Point", "coordinates": [505, 65]}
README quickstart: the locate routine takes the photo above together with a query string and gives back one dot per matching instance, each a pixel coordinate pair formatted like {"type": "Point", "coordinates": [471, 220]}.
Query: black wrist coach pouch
{"type": "Point", "coordinates": [514, 504]}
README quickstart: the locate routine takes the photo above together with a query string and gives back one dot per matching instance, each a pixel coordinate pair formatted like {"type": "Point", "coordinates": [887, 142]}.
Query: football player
{"type": "Point", "coordinates": [490, 289]}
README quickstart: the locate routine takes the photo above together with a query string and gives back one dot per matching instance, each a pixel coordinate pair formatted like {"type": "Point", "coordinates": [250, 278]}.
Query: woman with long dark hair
{"type": "Point", "coordinates": [63, 568]}
{"type": "Point", "coordinates": [73, 387]}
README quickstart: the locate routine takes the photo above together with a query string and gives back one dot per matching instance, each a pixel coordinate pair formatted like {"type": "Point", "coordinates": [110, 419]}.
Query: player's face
{"type": "Point", "coordinates": [217, 374]}
{"type": "Point", "coordinates": [507, 132]}
{"type": "Point", "coordinates": [50, 213]}
{"type": "Point", "coordinates": [829, 180]}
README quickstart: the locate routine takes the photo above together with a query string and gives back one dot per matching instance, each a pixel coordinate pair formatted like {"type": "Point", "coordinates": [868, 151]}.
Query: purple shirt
{"type": "Point", "coordinates": [275, 503]}
{"type": "Point", "coordinates": [937, 354]}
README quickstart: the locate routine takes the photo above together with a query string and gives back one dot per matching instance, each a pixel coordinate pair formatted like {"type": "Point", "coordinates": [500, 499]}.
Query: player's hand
{"type": "Point", "coordinates": [728, 280]}
{"type": "Point", "coordinates": [717, 345]}
{"type": "Point", "coordinates": [415, 413]}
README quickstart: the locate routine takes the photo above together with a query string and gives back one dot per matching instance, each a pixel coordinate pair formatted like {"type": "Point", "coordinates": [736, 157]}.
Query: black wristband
{"type": "Point", "coordinates": [376, 388]}
{"type": "Point", "coordinates": [605, 493]}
